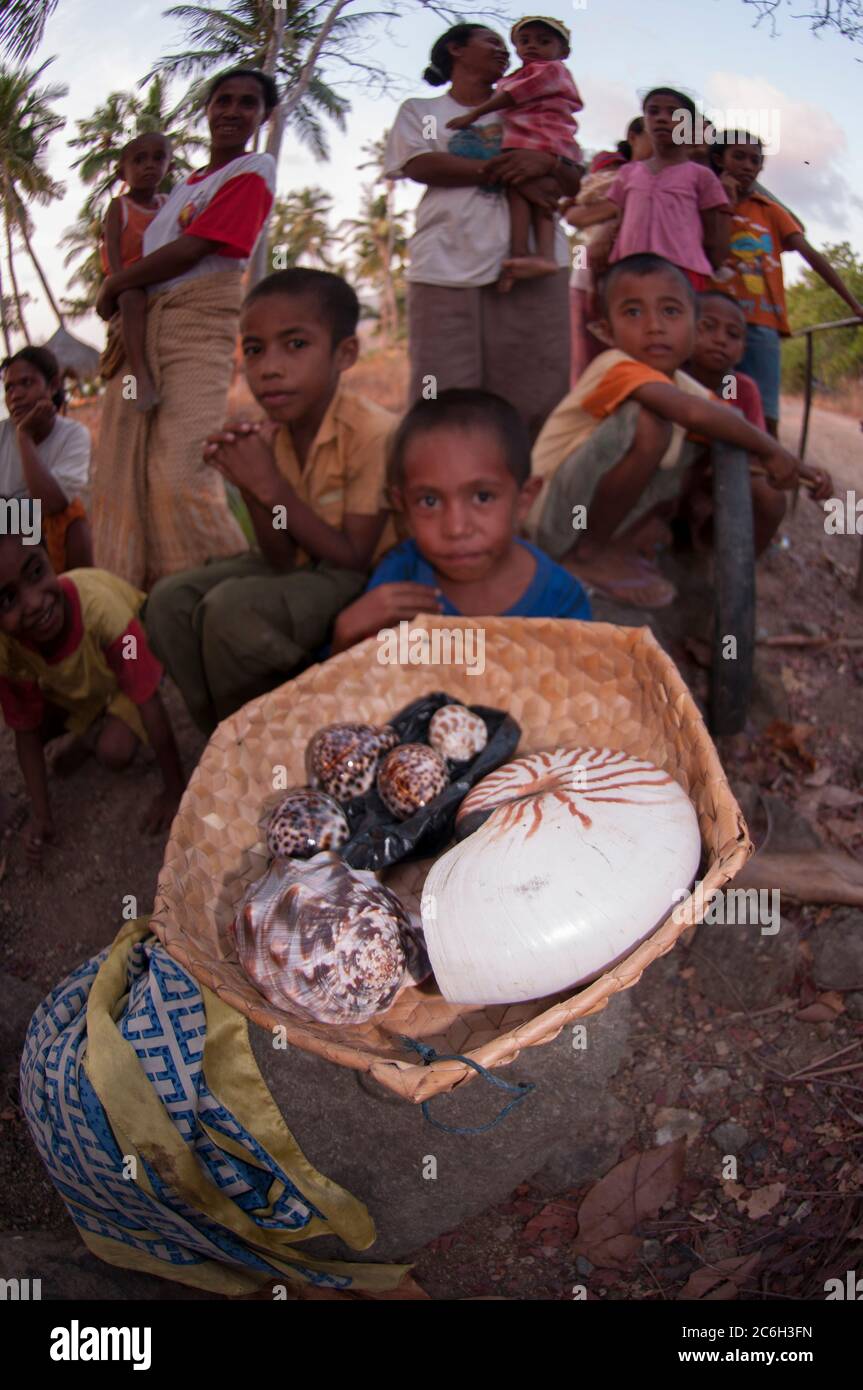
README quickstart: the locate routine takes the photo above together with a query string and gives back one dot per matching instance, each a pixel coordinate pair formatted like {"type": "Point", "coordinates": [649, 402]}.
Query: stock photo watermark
{"type": "Point", "coordinates": [437, 646]}
{"type": "Point", "coordinates": [21, 516]}
{"type": "Point", "coordinates": [730, 907]}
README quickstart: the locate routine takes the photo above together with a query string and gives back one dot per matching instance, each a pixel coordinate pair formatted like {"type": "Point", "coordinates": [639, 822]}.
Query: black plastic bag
{"type": "Point", "coordinates": [377, 838]}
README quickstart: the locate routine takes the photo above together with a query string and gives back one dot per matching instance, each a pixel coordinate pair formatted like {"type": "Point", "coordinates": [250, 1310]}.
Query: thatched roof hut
{"type": "Point", "coordinates": [76, 359]}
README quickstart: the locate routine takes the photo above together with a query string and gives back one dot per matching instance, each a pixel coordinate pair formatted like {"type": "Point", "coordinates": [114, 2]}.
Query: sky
{"type": "Point", "coordinates": [711, 47]}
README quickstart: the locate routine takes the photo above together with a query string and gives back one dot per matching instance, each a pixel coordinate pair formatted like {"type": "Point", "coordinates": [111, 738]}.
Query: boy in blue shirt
{"type": "Point", "coordinates": [459, 471]}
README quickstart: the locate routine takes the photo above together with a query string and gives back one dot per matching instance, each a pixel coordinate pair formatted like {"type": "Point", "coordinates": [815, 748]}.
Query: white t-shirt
{"type": "Point", "coordinates": [65, 452]}
{"type": "Point", "coordinates": [229, 206]}
{"type": "Point", "coordinates": [462, 234]}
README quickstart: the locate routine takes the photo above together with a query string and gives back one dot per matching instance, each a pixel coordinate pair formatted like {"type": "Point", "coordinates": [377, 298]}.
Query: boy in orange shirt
{"type": "Point", "coordinates": [761, 229]}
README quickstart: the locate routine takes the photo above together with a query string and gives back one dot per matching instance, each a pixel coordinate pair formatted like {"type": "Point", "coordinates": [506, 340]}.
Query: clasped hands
{"type": "Point", "coordinates": [242, 451]}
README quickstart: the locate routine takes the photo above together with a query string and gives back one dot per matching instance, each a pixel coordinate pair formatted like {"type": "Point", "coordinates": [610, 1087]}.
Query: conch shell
{"type": "Point", "coordinates": [575, 856]}
{"type": "Point", "coordinates": [327, 942]}
{"type": "Point", "coordinates": [342, 759]}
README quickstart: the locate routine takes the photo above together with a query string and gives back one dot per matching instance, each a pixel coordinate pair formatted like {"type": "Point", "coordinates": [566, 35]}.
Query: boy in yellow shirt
{"type": "Point", "coordinates": [312, 476]}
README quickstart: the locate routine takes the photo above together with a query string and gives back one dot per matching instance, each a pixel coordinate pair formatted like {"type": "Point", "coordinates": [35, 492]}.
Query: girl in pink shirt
{"type": "Point", "coordinates": [668, 204]}
{"type": "Point", "coordinates": [538, 101]}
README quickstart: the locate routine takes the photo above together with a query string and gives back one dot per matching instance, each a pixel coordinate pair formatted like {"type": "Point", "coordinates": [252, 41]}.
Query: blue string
{"type": "Point", "coordinates": [428, 1054]}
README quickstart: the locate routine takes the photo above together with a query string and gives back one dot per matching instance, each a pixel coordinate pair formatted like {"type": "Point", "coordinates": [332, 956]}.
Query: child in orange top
{"type": "Point", "coordinates": [73, 655]}
{"type": "Point", "coordinates": [761, 229]}
{"type": "Point", "coordinates": [143, 164]}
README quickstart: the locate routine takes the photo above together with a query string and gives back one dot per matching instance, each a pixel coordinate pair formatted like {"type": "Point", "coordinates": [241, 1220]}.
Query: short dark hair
{"type": "Point", "coordinates": [439, 70]}
{"type": "Point", "coordinates": [463, 408]}
{"type": "Point", "coordinates": [686, 102]}
{"type": "Point", "coordinates": [335, 298]}
{"type": "Point", "coordinates": [704, 295]}
{"type": "Point", "coordinates": [643, 264]}
{"type": "Point", "coordinates": [136, 139]}
{"type": "Point", "coordinates": [43, 359]}
{"type": "Point", "coordinates": [269, 90]}
{"type": "Point", "coordinates": [635, 127]}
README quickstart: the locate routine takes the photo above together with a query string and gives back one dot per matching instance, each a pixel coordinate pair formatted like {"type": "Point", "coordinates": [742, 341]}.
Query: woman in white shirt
{"type": "Point", "coordinates": [157, 507]}
{"type": "Point", "coordinates": [44, 456]}
{"type": "Point", "coordinates": [463, 332]}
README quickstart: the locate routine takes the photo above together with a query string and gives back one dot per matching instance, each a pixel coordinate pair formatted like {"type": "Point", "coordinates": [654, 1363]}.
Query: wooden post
{"type": "Point", "coordinates": [807, 400]}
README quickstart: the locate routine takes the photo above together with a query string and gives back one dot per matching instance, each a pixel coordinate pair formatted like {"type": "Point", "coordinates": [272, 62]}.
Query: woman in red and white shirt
{"type": "Point", "coordinates": [157, 508]}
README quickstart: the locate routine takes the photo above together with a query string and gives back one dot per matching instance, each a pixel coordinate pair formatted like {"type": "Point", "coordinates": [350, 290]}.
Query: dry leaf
{"type": "Point", "coordinates": [839, 797]}
{"type": "Point", "coordinates": [819, 778]}
{"type": "Point", "coordinates": [720, 1281]}
{"type": "Point", "coordinates": [791, 738]}
{"type": "Point", "coordinates": [633, 1191]}
{"type": "Point", "coordinates": [816, 1013]}
{"type": "Point", "coordinates": [763, 1200]}
{"type": "Point", "coordinates": [833, 999]}
{"type": "Point", "coordinates": [810, 876]}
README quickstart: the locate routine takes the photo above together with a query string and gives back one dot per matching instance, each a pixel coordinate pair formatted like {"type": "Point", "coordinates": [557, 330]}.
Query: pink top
{"type": "Point", "coordinates": [662, 212]}
{"type": "Point", "coordinates": [542, 118]}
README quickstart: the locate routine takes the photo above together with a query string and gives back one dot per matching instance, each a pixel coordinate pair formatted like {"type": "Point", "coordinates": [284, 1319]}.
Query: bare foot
{"type": "Point", "coordinates": [524, 268]}
{"type": "Point", "coordinates": [624, 576]}
{"type": "Point", "coordinates": [147, 397]}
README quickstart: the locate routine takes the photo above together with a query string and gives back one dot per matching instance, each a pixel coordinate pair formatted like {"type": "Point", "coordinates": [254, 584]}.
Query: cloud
{"type": "Point", "coordinates": [806, 169]}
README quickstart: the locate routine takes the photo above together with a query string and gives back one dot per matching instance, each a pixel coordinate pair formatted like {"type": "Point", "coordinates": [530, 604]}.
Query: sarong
{"type": "Point", "coordinates": [147, 1108]}
{"type": "Point", "coordinates": [157, 508]}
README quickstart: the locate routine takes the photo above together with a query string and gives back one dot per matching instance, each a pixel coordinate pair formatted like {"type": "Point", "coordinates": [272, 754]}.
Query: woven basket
{"type": "Point", "coordinates": [566, 683]}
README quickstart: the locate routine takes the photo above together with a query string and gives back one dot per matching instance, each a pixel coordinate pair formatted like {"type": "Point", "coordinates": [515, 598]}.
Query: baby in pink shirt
{"type": "Point", "coordinates": [537, 101]}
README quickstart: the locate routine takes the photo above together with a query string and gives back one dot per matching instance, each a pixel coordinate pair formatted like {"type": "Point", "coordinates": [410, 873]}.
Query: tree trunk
{"type": "Point", "coordinates": [4, 318]}
{"type": "Point", "coordinates": [10, 256]}
{"type": "Point", "coordinates": [22, 223]}
{"type": "Point", "coordinates": [258, 262]}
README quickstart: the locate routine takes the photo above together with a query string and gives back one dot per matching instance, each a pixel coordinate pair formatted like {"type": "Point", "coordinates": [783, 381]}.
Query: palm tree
{"type": "Point", "coordinates": [22, 24]}
{"type": "Point", "coordinates": [377, 239]}
{"type": "Point", "coordinates": [257, 33]}
{"type": "Point", "coordinates": [300, 228]}
{"type": "Point", "coordinates": [82, 240]}
{"type": "Point", "coordinates": [27, 123]}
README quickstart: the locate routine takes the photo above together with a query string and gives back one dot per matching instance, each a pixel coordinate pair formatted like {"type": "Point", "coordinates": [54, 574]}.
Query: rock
{"type": "Point", "coordinates": [671, 1124]}
{"type": "Point", "coordinates": [710, 1082]}
{"type": "Point", "coordinates": [757, 1152]}
{"type": "Point", "coordinates": [740, 968]}
{"type": "Point", "coordinates": [377, 1145]}
{"type": "Point", "coordinates": [837, 950]}
{"type": "Point", "coordinates": [67, 1271]}
{"type": "Point", "coordinates": [651, 1251]}
{"type": "Point", "coordinates": [20, 1000]}
{"type": "Point", "coordinates": [854, 1003]}
{"type": "Point", "coordinates": [583, 1265]}
{"type": "Point", "coordinates": [730, 1137]}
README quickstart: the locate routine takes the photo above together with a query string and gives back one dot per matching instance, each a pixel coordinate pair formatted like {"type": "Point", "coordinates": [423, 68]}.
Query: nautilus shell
{"type": "Point", "coordinates": [570, 859]}
{"type": "Point", "coordinates": [457, 733]}
{"type": "Point", "coordinates": [304, 823]}
{"type": "Point", "coordinates": [327, 942]}
{"type": "Point", "coordinates": [409, 777]}
{"type": "Point", "coordinates": [342, 759]}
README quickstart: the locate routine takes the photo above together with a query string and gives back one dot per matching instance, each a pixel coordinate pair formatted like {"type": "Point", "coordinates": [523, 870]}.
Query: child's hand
{"type": "Point", "coordinates": [161, 812]}
{"type": "Point", "coordinates": [37, 834]}
{"type": "Point", "coordinates": [390, 603]}
{"type": "Point", "coordinates": [460, 122]}
{"type": "Point", "coordinates": [821, 483]}
{"type": "Point", "coordinates": [731, 187]}
{"type": "Point", "coordinates": [242, 453]}
{"type": "Point", "coordinates": [782, 467]}
{"type": "Point", "coordinates": [106, 301]}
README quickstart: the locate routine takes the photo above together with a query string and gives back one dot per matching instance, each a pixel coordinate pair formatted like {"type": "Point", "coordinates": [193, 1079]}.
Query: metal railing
{"type": "Point", "coordinates": [807, 399]}
{"type": "Point", "coordinates": [808, 333]}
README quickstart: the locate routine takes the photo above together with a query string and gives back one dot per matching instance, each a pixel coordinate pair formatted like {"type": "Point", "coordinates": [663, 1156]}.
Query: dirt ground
{"type": "Point", "coordinates": [778, 1059]}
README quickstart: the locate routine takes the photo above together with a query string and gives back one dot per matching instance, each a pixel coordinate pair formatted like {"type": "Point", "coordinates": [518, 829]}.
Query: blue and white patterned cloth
{"type": "Point", "coordinates": [142, 1218]}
